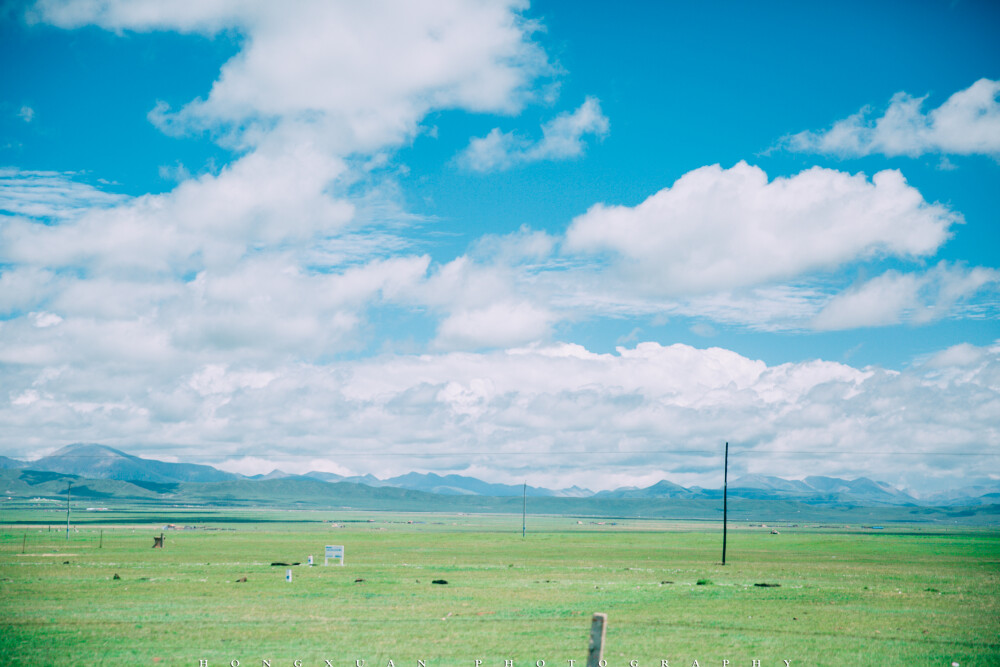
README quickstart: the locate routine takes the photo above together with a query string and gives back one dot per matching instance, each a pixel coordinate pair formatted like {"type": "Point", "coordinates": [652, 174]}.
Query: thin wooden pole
{"type": "Point", "coordinates": [598, 627]}
{"type": "Point", "coordinates": [101, 545]}
{"type": "Point", "coordinates": [24, 542]}
{"type": "Point", "coordinates": [725, 505]}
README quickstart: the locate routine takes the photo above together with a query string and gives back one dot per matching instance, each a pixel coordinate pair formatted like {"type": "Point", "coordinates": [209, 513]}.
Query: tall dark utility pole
{"type": "Point", "coordinates": [725, 508]}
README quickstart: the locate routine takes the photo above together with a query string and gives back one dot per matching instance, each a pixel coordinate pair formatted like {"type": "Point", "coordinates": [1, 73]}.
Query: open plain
{"type": "Point", "coordinates": [835, 594]}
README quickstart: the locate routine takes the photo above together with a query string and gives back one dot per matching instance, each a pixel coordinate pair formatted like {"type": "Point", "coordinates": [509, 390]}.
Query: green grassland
{"type": "Point", "coordinates": [917, 595]}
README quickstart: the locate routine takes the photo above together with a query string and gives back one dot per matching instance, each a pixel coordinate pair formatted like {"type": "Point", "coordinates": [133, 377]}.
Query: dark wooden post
{"type": "Point", "coordinates": [158, 542]}
{"type": "Point", "coordinates": [598, 627]}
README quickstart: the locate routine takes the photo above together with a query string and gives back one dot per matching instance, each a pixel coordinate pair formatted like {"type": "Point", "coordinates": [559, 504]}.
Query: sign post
{"type": "Point", "coordinates": [334, 551]}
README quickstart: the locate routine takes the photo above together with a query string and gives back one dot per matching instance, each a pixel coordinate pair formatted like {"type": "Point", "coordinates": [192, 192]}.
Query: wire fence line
{"type": "Point", "coordinates": [31, 537]}
{"type": "Point", "coordinates": [53, 541]}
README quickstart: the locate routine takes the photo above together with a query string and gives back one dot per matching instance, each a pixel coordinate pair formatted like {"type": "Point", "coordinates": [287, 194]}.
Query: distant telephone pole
{"type": "Point", "coordinates": [725, 508]}
{"type": "Point", "coordinates": [69, 486]}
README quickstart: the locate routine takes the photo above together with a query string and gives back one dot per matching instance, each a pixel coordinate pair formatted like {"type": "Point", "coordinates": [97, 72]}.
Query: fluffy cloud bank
{"type": "Point", "coordinates": [556, 414]}
{"type": "Point", "coordinates": [352, 76]}
{"type": "Point", "coordinates": [968, 123]}
{"type": "Point", "coordinates": [717, 229]}
{"type": "Point", "coordinates": [249, 262]}
{"type": "Point", "coordinates": [286, 216]}
{"type": "Point", "coordinates": [314, 84]}
{"type": "Point", "coordinates": [276, 253]}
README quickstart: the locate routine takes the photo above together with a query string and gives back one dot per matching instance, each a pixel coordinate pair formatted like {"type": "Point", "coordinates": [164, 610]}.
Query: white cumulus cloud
{"type": "Point", "coordinates": [355, 76]}
{"type": "Point", "coordinates": [718, 228]}
{"type": "Point", "coordinates": [895, 297]}
{"type": "Point", "coordinates": [967, 123]}
{"type": "Point", "coordinates": [562, 138]}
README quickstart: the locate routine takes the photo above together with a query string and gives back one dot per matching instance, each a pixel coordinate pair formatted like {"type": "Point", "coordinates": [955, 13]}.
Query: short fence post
{"type": "Point", "coordinates": [595, 654]}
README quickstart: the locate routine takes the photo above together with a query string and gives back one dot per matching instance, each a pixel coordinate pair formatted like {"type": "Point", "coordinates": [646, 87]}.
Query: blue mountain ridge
{"type": "Point", "coordinates": [102, 462]}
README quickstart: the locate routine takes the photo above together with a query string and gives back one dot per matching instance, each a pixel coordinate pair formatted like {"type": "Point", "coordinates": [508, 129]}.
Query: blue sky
{"type": "Point", "coordinates": [500, 239]}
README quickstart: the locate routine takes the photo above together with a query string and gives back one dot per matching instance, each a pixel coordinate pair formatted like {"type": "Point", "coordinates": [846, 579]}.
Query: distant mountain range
{"type": "Point", "coordinates": [100, 462]}
{"type": "Point", "coordinates": [449, 485]}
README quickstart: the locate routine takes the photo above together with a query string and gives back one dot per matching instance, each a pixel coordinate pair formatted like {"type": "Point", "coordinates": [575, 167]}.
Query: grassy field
{"type": "Point", "coordinates": [845, 595]}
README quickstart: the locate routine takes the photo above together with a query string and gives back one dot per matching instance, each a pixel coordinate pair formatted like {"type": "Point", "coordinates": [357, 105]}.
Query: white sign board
{"type": "Point", "coordinates": [334, 551]}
